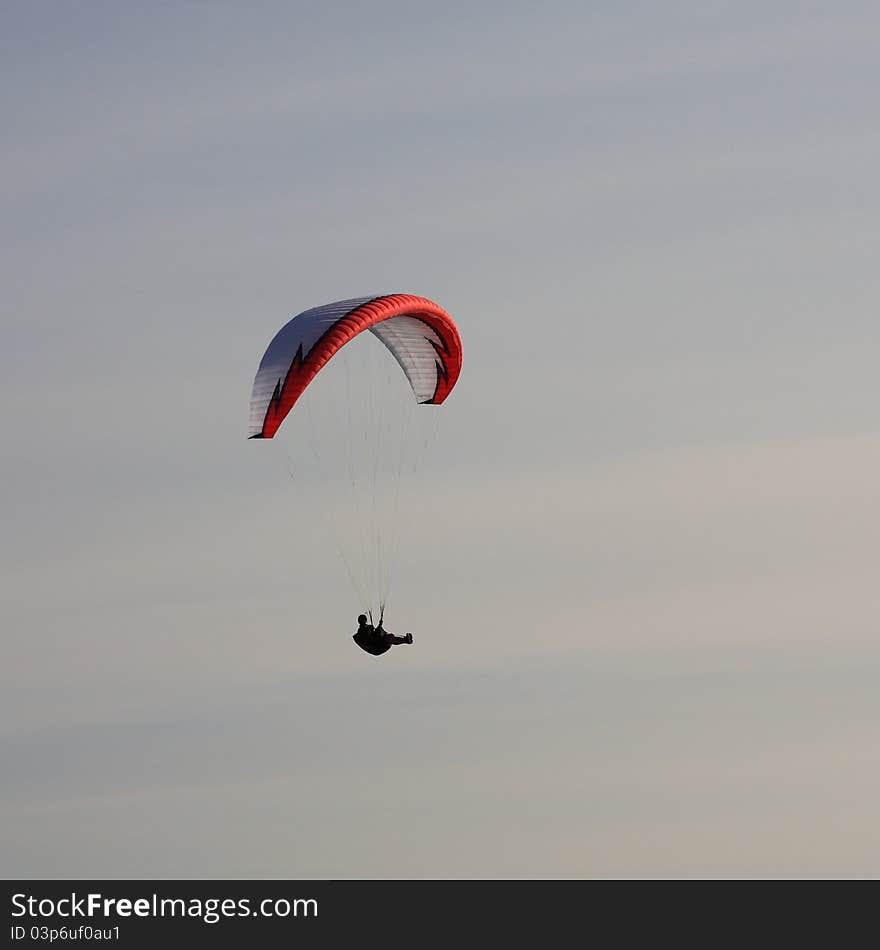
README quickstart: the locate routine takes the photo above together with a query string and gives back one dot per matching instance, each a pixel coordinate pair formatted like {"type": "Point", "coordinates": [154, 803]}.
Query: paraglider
{"type": "Point", "coordinates": [425, 343]}
{"type": "Point", "coordinates": [377, 640]}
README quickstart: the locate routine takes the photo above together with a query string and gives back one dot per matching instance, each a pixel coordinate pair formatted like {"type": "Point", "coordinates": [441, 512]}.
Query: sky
{"type": "Point", "coordinates": [641, 563]}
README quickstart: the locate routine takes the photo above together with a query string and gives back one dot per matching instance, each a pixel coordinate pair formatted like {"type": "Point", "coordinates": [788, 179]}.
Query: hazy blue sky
{"type": "Point", "coordinates": [647, 620]}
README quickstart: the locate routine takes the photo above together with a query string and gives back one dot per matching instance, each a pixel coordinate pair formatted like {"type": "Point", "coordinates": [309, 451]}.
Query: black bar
{"type": "Point", "coordinates": [166, 914]}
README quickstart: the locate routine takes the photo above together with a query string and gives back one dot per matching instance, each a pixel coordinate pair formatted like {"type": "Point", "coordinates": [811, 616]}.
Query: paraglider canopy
{"type": "Point", "coordinates": [417, 331]}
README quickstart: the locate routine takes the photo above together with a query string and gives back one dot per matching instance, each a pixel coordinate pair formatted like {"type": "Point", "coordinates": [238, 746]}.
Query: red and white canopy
{"type": "Point", "coordinates": [420, 334]}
